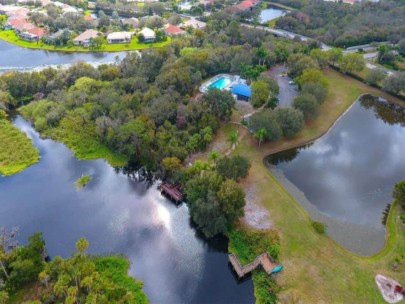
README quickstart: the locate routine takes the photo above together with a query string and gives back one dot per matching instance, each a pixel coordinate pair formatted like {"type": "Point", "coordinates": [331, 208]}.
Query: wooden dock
{"type": "Point", "coordinates": [173, 191]}
{"type": "Point", "coordinates": [264, 260]}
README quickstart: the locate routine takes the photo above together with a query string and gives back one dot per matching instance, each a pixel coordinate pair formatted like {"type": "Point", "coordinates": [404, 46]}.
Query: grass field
{"type": "Point", "coordinates": [317, 269]}
{"type": "Point", "coordinates": [12, 37]}
{"type": "Point", "coordinates": [16, 150]}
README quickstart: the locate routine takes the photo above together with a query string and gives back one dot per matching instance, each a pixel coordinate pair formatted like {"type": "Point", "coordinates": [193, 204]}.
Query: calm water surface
{"type": "Point", "coordinates": [349, 173]}
{"type": "Point", "coordinates": [118, 214]}
{"type": "Point", "coordinates": [270, 14]}
{"type": "Point", "coordinates": [15, 57]}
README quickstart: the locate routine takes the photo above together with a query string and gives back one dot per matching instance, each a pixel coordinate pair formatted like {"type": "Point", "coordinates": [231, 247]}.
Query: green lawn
{"type": "Point", "coordinates": [12, 37]}
{"type": "Point", "coordinates": [317, 269]}
{"type": "Point", "coordinates": [16, 150]}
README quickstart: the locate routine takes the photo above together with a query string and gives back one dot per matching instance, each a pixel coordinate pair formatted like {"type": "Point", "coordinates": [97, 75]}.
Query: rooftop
{"type": "Point", "coordinates": [87, 35]}
{"type": "Point", "coordinates": [242, 89]}
{"type": "Point", "coordinates": [173, 30]}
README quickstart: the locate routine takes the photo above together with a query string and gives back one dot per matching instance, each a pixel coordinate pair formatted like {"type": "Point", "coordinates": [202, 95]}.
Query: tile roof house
{"type": "Point", "coordinates": [131, 21]}
{"type": "Point", "coordinates": [85, 38]}
{"type": "Point", "coordinates": [173, 30]}
{"type": "Point", "coordinates": [33, 34]}
{"type": "Point", "coordinates": [148, 34]}
{"type": "Point", "coordinates": [119, 37]}
{"type": "Point", "coordinates": [194, 23]}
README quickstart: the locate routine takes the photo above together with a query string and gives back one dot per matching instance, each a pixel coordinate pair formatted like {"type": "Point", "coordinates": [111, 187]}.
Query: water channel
{"type": "Point", "coordinates": [116, 212]}
{"type": "Point", "coordinates": [346, 177]}
{"type": "Point", "coordinates": [13, 57]}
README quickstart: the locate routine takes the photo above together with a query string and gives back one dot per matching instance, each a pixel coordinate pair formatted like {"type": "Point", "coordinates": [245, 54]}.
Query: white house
{"type": "Point", "coordinates": [119, 37]}
{"type": "Point", "coordinates": [148, 34]}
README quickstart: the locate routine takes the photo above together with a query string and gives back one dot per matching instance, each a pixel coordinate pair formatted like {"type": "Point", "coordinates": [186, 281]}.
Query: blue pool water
{"type": "Point", "coordinates": [221, 83]}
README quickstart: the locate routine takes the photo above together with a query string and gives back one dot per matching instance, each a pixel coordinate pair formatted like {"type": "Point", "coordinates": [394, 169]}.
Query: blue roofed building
{"type": "Point", "coordinates": [242, 91]}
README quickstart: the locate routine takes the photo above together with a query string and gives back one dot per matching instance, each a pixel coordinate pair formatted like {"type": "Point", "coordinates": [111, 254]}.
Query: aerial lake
{"type": "Point", "coordinates": [118, 213]}
{"type": "Point", "coordinates": [346, 177]}
{"type": "Point", "coordinates": [270, 13]}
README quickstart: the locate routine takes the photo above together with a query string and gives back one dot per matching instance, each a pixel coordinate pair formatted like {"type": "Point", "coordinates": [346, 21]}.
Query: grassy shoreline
{"type": "Point", "coordinates": [17, 151]}
{"type": "Point", "coordinates": [317, 269]}
{"type": "Point", "coordinates": [11, 37]}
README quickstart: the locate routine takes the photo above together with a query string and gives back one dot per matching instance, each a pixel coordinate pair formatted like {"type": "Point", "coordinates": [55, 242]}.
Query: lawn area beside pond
{"type": "Point", "coordinates": [12, 37]}
{"type": "Point", "coordinates": [317, 269]}
{"type": "Point", "coordinates": [17, 151]}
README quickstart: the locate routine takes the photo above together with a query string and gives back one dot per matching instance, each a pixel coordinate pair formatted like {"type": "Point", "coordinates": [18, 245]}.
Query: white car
{"type": "Point", "coordinates": [291, 82]}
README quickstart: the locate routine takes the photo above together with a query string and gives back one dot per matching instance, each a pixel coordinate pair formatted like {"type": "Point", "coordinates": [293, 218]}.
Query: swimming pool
{"type": "Point", "coordinates": [220, 83]}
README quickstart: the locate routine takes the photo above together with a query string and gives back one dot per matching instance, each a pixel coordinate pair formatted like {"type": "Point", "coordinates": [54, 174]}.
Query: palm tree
{"type": "Point", "coordinates": [213, 156]}
{"type": "Point", "coordinates": [233, 138]}
{"type": "Point", "coordinates": [261, 135]}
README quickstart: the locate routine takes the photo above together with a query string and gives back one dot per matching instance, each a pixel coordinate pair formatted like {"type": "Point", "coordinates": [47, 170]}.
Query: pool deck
{"type": "Point", "coordinates": [234, 80]}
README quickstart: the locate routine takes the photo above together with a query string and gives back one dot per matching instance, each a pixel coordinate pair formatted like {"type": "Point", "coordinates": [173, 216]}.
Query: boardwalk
{"type": "Point", "coordinates": [265, 260]}
{"type": "Point", "coordinates": [173, 191]}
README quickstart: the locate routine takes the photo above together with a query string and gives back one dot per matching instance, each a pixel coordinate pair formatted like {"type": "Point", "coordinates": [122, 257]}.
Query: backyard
{"type": "Point", "coordinates": [12, 37]}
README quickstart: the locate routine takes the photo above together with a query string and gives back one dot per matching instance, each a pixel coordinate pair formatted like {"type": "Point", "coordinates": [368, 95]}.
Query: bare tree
{"type": "Point", "coordinates": [7, 244]}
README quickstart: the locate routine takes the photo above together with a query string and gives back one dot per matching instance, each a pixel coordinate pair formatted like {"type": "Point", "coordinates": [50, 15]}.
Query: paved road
{"type": "Point", "coordinates": [325, 47]}
{"type": "Point", "coordinates": [287, 92]}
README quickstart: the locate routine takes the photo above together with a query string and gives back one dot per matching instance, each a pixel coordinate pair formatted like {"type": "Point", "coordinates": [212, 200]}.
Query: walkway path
{"type": "Point", "coordinates": [265, 260]}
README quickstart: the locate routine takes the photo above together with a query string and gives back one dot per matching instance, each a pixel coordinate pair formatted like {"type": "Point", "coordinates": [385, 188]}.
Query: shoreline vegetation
{"type": "Point", "coordinates": [82, 181]}
{"type": "Point", "coordinates": [11, 37]}
{"type": "Point", "coordinates": [17, 151]}
{"type": "Point", "coordinates": [305, 253]}
{"type": "Point", "coordinates": [81, 138]}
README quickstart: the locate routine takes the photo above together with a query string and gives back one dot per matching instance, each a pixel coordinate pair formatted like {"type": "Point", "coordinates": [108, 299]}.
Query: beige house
{"type": "Point", "coordinates": [85, 38]}
{"type": "Point", "coordinates": [119, 37]}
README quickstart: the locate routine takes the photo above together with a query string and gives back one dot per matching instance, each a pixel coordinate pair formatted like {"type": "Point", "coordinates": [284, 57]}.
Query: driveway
{"type": "Point", "coordinates": [287, 92]}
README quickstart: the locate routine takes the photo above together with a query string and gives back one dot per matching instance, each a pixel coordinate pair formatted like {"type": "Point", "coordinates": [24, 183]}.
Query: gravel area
{"type": "Point", "coordinates": [256, 215]}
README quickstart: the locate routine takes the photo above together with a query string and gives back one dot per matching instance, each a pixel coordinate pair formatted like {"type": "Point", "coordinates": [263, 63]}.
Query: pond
{"type": "Point", "coordinates": [13, 57]}
{"type": "Point", "coordinates": [270, 13]}
{"type": "Point", "coordinates": [118, 213]}
{"type": "Point", "coordinates": [349, 173]}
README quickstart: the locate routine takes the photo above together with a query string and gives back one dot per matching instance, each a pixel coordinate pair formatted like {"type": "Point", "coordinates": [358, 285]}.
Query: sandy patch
{"type": "Point", "coordinates": [256, 215]}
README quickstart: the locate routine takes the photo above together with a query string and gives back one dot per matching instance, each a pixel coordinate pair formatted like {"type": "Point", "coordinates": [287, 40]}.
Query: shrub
{"type": "Point", "coordinates": [307, 104]}
{"type": "Point", "coordinates": [266, 119]}
{"type": "Point", "coordinates": [316, 89]}
{"type": "Point", "coordinates": [319, 227]}
{"type": "Point", "coordinates": [399, 192]}
{"type": "Point", "coordinates": [290, 120]}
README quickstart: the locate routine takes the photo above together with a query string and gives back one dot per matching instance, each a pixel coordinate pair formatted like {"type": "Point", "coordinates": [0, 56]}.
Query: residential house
{"type": "Point", "coordinates": [84, 39]}
{"type": "Point", "coordinates": [194, 23]}
{"type": "Point", "coordinates": [242, 91]}
{"type": "Point", "coordinates": [33, 34]}
{"type": "Point", "coordinates": [131, 21]}
{"type": "Point", "coordinates": [119, 37]}
{"type": "Point", "coordinates": [173, 30]}
{"type": "Point", "coordinates": [148, 34]}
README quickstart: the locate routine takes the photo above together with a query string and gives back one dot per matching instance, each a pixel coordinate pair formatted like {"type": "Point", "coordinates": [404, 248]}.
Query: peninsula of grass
{"type": "Point", "coordinates": [82, 181]}
{"type": "Point", "coordinates": [79, 136]}
{"type": "Point", "coordinates": [316, 268]}
{"type": "Point", "coordinates": [17, 151]}
{"type": "Point", "coordinates": [11, 37]}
